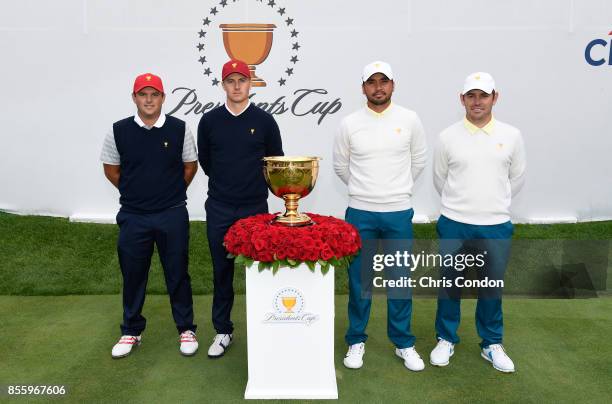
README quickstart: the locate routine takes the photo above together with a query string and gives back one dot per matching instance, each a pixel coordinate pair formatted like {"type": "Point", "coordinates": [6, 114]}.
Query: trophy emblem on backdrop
{"type": "Point", "coordinates": [250, 43]}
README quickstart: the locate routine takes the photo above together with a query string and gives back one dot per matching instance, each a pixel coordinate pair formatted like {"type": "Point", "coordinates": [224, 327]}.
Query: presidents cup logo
{"type": "Point", "coordinates": [288, 304]}
{"type": "Point", "coordinates": [263, 34]}
{"type": "Point", "coordinates": [595, 55]}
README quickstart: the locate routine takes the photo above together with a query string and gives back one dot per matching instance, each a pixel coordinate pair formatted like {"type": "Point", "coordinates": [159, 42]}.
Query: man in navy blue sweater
{"type": "Point", "coordinates": [232, 141]}
{"type": "Point", "coordinates": [151, 159]}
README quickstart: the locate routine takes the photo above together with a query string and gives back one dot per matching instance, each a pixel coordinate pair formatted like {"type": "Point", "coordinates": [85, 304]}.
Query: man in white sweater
{"type": "Point", "coordinates": [379, 151]}
{"type": "Point", "coordinates": [479, 164]}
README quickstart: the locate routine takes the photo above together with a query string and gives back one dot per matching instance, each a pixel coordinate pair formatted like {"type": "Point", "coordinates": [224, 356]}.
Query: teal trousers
{"type": "Point", "coordinates": [394, 231]}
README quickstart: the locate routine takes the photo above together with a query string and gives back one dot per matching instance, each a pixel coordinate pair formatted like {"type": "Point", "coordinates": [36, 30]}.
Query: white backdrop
{"type": "Point", "coordinates": [68, 67]}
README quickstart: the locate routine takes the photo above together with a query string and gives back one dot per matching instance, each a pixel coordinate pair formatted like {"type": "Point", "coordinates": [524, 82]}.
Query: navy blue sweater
{"type": "Point", "coordinates": [231, 149]}
{"type": "Point", "coordinates": [152, 168]}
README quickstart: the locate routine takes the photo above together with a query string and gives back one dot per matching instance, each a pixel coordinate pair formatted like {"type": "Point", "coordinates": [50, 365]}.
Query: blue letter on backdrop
{"type": "Point", "coordinates": [587, 52]}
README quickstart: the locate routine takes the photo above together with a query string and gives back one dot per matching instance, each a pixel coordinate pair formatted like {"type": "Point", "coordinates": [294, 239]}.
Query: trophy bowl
{"type": "Point", "coordinates": [250, 43]}
{"type": "Point", "coordinates": [291, 178]}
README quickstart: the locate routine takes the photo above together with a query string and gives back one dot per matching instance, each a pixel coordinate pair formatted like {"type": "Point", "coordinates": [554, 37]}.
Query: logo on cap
{"type": "Point", "coordinates": [148, 80]}
{"type": "Point", "coordinates": [234, 65]}
{"type": "Point", "coordinates": [376, 66]}
{"type": "Point", "coordinates": [478, 81]}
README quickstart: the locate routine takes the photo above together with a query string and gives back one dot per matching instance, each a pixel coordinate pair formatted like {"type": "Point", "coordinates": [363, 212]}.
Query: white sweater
{"type": "Point", "coordinates": [379, 155]}
{"type": "Point", "coordinates": [476, 171]}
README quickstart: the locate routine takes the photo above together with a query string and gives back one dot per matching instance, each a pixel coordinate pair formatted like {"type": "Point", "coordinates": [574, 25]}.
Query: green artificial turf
{"type": "Point", "coordinates": [561, 349]}
{"type": "Point", "coordinates": [51, 256]}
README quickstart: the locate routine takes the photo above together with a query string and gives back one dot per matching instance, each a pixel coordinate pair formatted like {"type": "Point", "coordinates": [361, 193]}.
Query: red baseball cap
{"type": "Point", "coordinates": [148, 80]}
{"type": "Point", "coordinates": [235, 66]}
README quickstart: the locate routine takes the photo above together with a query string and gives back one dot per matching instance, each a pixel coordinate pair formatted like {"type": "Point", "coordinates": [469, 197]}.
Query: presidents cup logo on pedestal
{"type": "Point", "coordinates": [289, 300]}
{"type": "Point", "coordinates": [288, 304]}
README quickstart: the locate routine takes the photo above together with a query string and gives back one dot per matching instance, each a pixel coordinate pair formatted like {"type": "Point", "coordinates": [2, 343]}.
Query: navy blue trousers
{"type": "Point", "coordinates": [220, 217]}
{"type": "Point", "coordinates": [169, 230]}
{"type": "Point", "coordinates": [455, 237]}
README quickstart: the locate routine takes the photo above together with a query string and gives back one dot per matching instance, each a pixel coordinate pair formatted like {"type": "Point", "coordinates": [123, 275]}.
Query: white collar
{"type": "Point", "coordinates": [239, 113]}
{"type": "Point", "coordinates": [158, 124]}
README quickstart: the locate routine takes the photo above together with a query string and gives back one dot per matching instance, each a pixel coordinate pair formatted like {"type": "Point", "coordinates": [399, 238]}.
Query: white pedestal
{"type": "Point", "coordinates": [290, 341]}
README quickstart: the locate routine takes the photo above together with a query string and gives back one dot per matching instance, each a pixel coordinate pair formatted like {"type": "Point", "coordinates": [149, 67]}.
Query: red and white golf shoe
{"type": "Point", "coordinates": [189, 343]}
{"type": "Point", "coordinates": [125, 345]}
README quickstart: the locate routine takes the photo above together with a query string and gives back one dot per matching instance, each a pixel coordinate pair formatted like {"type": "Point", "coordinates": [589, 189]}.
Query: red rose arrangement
{"type": "Point", "coordinates": [330, 241]}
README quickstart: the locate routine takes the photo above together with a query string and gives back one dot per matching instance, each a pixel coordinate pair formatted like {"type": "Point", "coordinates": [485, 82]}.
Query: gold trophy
{"type": "Point", "coordinates": [289, 302]}
{"type": "Point", "coordinates": [250, 43]}
{"type": "Point", "coordinates": [291, 178]}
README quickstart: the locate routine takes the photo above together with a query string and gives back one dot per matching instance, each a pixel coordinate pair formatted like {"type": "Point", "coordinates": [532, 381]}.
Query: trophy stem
{"type": "Point", "coordinates": [256, 81]}
{"type": "Point", "coordinates": [291, 204]}
{"type": "Point", "coordinates": [291, 217]}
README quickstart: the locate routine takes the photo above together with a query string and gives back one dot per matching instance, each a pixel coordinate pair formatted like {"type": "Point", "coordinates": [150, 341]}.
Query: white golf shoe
{"type": "Point", "coordinates": [440, 355]}
{"type": "Point", "coordinates": [219, 345]}
{"type": "Point", "coordinates": [412, 360]}
{"type": "Point", "coordinates": [354, 356]}
{"type": "Point", "coordinates": [496, 354]}
{"type": "Point", "coordinates": [189, 343]}
{"type": "Point", "coordinates": [125, 345]}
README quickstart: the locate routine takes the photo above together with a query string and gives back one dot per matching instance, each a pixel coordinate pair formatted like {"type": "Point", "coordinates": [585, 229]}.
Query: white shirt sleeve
{"type": "Point", "coordinates": [341, 153]}
{"type": "Point", "coordinates": [189, 148]}
{"type": "Point", "coordinates": [109, 154]}
{"type": "Point", "coordinates": [440, 166]}
{"type": "Point", "coordinates": [418, 148]}
{"type": "Point", "coordinates": [518, 166]}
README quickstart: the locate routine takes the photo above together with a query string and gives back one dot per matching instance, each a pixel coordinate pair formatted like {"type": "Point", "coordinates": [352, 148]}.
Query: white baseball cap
{"type": "Point", "coordinates": [479, 81]}
{"type": "Point", "coordinates": [377, 67]}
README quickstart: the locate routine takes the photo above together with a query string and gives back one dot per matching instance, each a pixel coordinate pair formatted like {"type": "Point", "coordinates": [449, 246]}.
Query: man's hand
{"type": "Point", "coordinates": [190, 171]}
{"type": "Point", "coordinates": [112, 172]}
